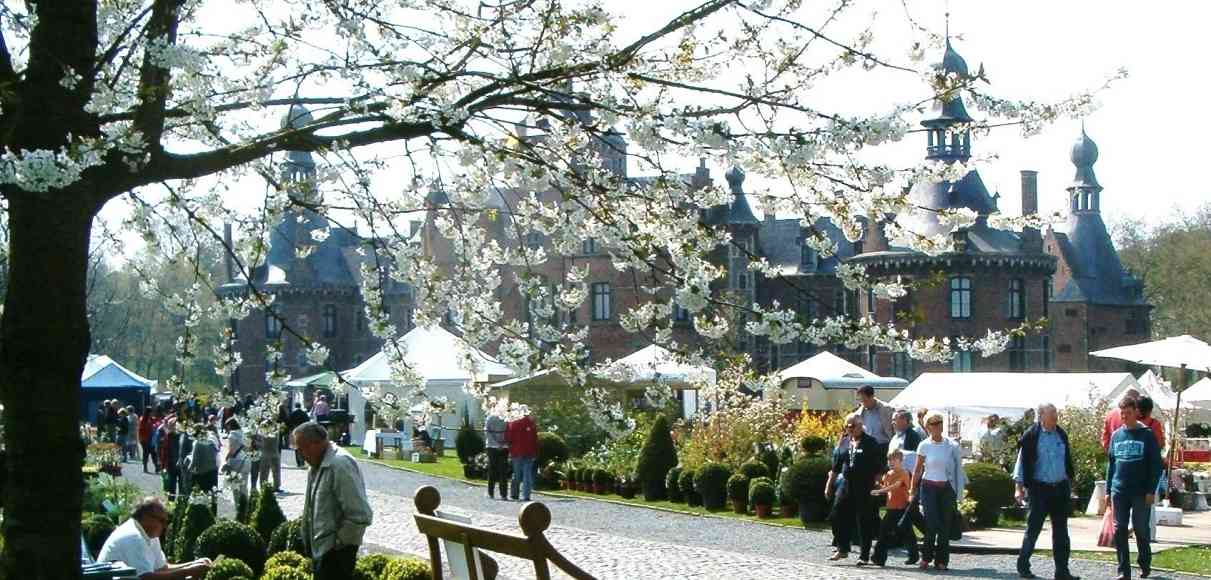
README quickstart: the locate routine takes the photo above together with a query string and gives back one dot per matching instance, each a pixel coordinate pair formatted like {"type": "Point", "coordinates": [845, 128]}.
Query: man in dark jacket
{"type": "Point", "coordinates": [297, 417]}
{"type": "Point", "coordinates": [856, 509]}
{"type": "Point", "coordinates": [1043, 474]}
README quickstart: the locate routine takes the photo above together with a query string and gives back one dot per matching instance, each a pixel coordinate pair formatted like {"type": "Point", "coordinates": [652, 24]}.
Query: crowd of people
{"type": "Point", "coordinates": [920, 471]}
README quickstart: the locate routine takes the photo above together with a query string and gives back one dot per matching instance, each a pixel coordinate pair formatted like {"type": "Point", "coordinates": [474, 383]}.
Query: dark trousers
{"type": "Point", "coordinates": [890, 531]}
{"type": "Point", "coordinates": [1140, 514]}
{"type": "Point", "coordinates": [255, 476]}
{"type": "Point", "coordinates": [855, 512]}
{"type": "Point", "coordinates": [171, 476]}
{"type": "Point", "coordinates": [498, 471]}
{"type": "Point", "coordinates": [939, 503]}
{"type": "Point", "coordinates": [336, 564]}
{"type": "Point", "coordinates": [155, 458]}
{"type": "Point", "coordinates": [206, 481]}
{"type": "Point", "coordinates": [1047, 501]}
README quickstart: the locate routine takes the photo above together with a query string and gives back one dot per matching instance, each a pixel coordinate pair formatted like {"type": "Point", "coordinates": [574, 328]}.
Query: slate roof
{"type": "Point", "coordinates": [1098, 276]}
{"type": "Point", "coordinates": [780, 243]}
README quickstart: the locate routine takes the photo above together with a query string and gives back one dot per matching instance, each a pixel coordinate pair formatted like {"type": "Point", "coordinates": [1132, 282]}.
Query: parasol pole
{"type": "Point", "coordinates": [1181, 381]}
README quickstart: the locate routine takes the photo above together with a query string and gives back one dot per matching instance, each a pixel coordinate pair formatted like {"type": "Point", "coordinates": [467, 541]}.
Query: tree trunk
{"type": "Point", "coordinates": [45, 343]}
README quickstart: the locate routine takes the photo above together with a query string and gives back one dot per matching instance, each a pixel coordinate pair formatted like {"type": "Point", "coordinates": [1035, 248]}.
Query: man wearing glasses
{"type": "Point", "coordinates": [855, 509]}
{"type": "Point", "coordinates": [137, 543]}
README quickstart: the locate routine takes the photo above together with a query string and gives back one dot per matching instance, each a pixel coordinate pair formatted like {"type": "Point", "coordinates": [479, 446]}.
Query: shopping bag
{"type": "Point", "coordinates": [1105, 537]}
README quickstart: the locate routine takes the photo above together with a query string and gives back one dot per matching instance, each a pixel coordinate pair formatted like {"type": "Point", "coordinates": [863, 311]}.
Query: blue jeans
{"type": "Point", "coordinates": [1140, 514]}
{"type": "Point", "coordinates": [939, 504]}
{"type": "Point", "coordinates": [523, 475]}
{"type": "Point", "coordinates": [1048, 501]}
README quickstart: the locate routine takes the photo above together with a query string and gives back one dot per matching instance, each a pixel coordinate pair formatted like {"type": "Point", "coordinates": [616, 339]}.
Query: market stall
{"type": "Point", "coordinates": [827, 382]}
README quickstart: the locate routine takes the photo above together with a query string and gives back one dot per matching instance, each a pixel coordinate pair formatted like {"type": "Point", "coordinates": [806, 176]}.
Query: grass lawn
{"type": "Point", "coordinates": [1193, 560]}
{"type": "Point", "coordinates": [447, 465]}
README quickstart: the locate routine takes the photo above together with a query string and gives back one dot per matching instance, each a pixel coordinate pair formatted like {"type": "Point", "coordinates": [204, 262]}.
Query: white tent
{"type": "Point", "coordinates": [973, 396]}
{"type": "Point", "coordinates": [1175, 352]}
{"type": "Point", "coordinates": [441, 360]}
{"type": "Point", "coordinates": [1198, 394]}
{"type": "Point", "coordinates": [832, 371]}
{"type": "Point", "coordinates": [650, 364]}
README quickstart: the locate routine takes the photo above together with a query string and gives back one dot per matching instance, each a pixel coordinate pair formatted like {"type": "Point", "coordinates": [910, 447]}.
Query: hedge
{"type": "Point", "coordinates": [234, 540]}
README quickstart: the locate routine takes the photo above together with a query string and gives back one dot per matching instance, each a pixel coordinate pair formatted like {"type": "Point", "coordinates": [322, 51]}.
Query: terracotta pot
{"type": "Point", "coordinates": [762, 510]}
{"type": "Point", "coordinates": [789, 510]}
{"type": "Point", "coordinates": [739, 505]}
{"type": "Point", "coordinates": [567, 484]}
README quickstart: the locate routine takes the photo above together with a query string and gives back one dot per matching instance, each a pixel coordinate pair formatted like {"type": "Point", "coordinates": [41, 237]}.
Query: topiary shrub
{"type": "Point", "coordinates": [752, 469]}
{"type": "Point", "coordinates": [686, 483]}
{"type": "Point", "coordinates": [672, 485]}
{"type": "Point", "coordinates": [288, 559]}
{"type": "Point", "coordinates": [243, 507]}
{"type": "Point", "coordinates": [227, 568]}
{"type": "Point", "coordinates": [803, 481]}
{"type": "Point", "coordinates": [235, 540]}
{"type": "Point", "coordinates": [603, 479]}
{"type": "Point", "coordinates": [370, 567]}
{"type": "Point", "coordinates": [551, 448]}
{"type": "Point", "coordinates": [468, 443]}
{"type": "Point", "coordinates": [737, 487]}
{"type": "Point", "coordinates": [96, 528]}
{"type": "Point", "coordinates": [288, 537]}
{"type": "Point", "coordinates": [198, 517]}
{"type": "Point", "coordinates": [268, 515]}
{"type": "Point", "coordinates": [657, 458]}
{"type": "Point", "coordinates": [813, 445]}
{"type": "Point", "coordinates": [406, 568]}
{"type": "Point", "coordinates": [768, 457]}
{"type": "Point", "coordinates": [710, 481]}
{"type": "Point", "coordinates": [168, 541]}
{"type": "Point", "coordinates": [991, 488]}
{"type": "Point", "coordinates": [283, 573]}
{"type": "Point", "coordinates": [761, 492]}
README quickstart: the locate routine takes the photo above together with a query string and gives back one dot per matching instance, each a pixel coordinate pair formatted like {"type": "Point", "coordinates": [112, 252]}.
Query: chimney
{"type": "Point", "coordinates": [1032, 239]}
{"type": "Point", "coordinates": [227, 251]}
{"type": "Point", "coordinates": [1030, 192]}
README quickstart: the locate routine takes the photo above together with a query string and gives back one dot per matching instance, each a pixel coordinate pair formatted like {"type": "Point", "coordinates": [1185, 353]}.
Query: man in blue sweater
{"type": "Point", "coordinates": [1133, 471]}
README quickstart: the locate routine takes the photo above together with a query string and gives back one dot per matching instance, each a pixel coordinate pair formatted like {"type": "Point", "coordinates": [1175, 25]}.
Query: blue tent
{"type": "Point", "coordinates": [103, 379]}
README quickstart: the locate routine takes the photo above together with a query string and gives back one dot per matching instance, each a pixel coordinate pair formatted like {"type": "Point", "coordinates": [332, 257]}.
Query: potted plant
{"type": "Point", "coordinates": [672, 485]}
{"type": "Point", "coordinates": [569, 476]}
{"type": "Point", "coordinates": [737, 491]}
{"type": "Point", "coordinates": [803, 484]}
{"type": "Point", "coordinates": [602, 481]}
{"type": "Point", "coordinates": [761, 496]}
{"type": "Point", "coordinates": [686, 483]}
{"type": "Point", "coordinates": [711, 483]}
{"type": "Point", "coordinates": [628, 486]}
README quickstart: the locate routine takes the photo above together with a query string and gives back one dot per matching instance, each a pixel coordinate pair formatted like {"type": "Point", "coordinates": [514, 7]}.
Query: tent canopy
{"type": "Point", "coordinates": [1009, 394]}
{"type": "Point", "coordinates": [835, 372]}
{"type": "Point", "coordinates": [655, 364]}
{"type": "Point", "coordinates": [436, 355]}
{"type": "Point", "coordinates": [1175, 352]}
{"type": "Point", "coordinates": [102, 372]}
{"type": "Point", "coordinates": [1198, 394]}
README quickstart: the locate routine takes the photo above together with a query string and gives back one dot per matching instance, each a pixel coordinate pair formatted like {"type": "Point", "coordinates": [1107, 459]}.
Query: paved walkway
{"type": "Point", "coordinates": [1083, 532]}
{"type": "Point", "coordinates": [614, 541]}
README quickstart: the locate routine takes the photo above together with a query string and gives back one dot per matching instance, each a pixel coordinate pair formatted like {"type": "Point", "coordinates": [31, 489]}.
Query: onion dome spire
{"type": "Point", "coordinates": [1085, 191]}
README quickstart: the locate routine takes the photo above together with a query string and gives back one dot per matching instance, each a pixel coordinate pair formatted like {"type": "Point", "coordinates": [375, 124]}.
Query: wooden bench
{"type": "Point", "coordinates": [534, 519]}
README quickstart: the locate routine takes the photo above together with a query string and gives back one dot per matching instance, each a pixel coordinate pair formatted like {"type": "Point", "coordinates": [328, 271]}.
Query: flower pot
{"type": "Point", "coordinates": [789, 510]}
{"type": "Point", "coordinates": [739, 505]}
{"type": "Point", "coordinates": [762, 510]}
{"type": "Point", "coordinates": [628, 491]}
{"type": "Point", "coordinates": [567, 484]}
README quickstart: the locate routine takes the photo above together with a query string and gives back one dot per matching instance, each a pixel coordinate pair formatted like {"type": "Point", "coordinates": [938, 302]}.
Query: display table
{"type": "Point", "coordinates": [376, 440]}
{"type": "Point", "coordinates": [109, 571]}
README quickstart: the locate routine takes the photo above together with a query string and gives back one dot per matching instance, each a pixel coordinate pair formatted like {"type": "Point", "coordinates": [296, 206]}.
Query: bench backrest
{"type": "Point", "coordinates": [534, 519]}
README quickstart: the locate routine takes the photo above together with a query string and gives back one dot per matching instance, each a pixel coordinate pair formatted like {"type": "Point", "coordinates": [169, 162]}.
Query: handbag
{"type": "Point", "coordinates": [956, 524]}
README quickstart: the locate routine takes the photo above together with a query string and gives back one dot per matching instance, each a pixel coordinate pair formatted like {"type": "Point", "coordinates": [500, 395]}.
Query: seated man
{"type": "Point", "coordinates": [137, 543]}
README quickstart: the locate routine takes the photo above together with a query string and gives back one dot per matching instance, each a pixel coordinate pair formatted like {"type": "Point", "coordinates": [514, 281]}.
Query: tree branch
{"type": "Point", "coordinates": [154, 79]}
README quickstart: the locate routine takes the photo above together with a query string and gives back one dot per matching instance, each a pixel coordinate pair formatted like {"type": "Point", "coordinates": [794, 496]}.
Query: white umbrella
{"type": "Point", "coordinates": [1181, 352]}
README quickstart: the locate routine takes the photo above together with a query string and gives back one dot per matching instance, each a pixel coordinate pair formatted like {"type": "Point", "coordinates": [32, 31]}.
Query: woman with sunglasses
{"type": "Point", "coordinates": [937, 481]}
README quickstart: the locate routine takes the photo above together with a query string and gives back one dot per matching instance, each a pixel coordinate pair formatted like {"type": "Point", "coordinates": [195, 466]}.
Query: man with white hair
{"type": "Point", "coordinates": [855, 509]}
{"type": "Point", "coordinates": [336, 511]}
{"type": "Point", "coordinates": [1043, 475]}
